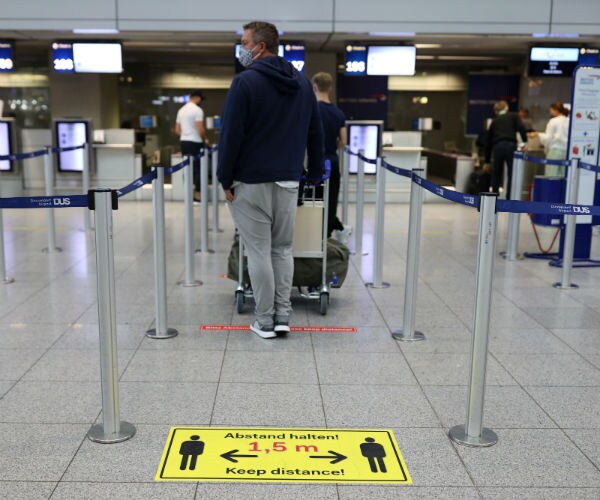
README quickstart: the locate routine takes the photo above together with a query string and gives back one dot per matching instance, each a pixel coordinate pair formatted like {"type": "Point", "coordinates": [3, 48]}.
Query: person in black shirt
{"type": "Point", "coordinates": [502, 143]}
{"type": "Point", "coordinates": [334, 131]}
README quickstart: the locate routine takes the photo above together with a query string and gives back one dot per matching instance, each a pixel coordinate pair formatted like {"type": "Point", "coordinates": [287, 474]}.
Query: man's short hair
{"type": "Point", "coordinates": [500, 106]}
{"type": "Point", "coordinates": [264, 32]}
{"type": "Point", "coordinates": [323, 81]}
{"type": "Point", "coordinates": [197, 93]}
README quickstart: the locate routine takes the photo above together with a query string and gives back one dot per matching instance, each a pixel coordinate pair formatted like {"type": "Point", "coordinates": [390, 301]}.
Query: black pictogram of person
{"type": "Point", "coordinates": [374, 452]}
{"type": "Point", "coordinates": [191, 450]}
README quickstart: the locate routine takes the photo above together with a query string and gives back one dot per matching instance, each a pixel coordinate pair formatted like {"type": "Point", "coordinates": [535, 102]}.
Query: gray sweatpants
{"type": "Point", "coordinates": [264, 215]}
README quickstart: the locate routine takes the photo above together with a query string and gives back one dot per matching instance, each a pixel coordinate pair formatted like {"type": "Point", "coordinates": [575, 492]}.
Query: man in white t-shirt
{"type": "Point", "coordinates": [192, 134]}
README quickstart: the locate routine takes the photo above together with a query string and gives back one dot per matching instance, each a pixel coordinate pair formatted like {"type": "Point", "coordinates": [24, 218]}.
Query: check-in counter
{"type": "Point", "coordinates": [449, 169]}
{"type": "Point", "coordinates": [397, 187]}
{"type": "Point", "coordinates": [115, 161]}
{"type": "Point", "coordinates": [33, 168]}
{"type": "Point", "coordinates": [401, 149]}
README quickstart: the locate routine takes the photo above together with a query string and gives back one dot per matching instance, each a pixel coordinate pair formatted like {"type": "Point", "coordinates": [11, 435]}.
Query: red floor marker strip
{"type": "Point", "coordinates": [335, 329]}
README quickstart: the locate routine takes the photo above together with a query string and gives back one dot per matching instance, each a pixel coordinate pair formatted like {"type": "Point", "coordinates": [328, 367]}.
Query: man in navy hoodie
{"type": "Point", "coordinates": [270, 120]}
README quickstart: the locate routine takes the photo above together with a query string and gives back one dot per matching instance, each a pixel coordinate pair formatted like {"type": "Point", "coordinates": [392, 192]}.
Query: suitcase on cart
{"type": "Point", "coordinates": [307, 272]}
{"type": "Point", "coordinates": [312, 252]}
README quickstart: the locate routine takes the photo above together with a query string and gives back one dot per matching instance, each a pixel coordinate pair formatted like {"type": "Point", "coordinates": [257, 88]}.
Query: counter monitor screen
{"type": "Point", "coordinates": [105, 57]}
{"type": "Point", "coordinates": [5, 146]}
{"type": "Point", "coordinates": [356, 60]}
{"type": "Point", "coordinates": [7, 58]}
{"type": "Point", "coordinates": [71, 133]}
{"type": "Point", "coordinates": [148, 121]}
{"type": "Point", "coordinates": [553, 61]}
{"type": "Point", "coordinates": [391, 60]}
{"type": "Point", "coordinates": [368, 138]}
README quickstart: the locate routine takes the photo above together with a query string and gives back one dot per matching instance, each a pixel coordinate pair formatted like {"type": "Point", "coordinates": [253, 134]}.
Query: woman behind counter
{"type": "Point", "coordinates": [555, 138]}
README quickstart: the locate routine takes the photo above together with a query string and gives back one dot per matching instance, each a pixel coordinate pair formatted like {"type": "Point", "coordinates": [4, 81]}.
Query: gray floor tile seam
{"type": "Point", "coordinates": [468, 326]}
{"type": "Point", "coordinates": [219, 382]}
{"type": "Point", "coordinates": [38, 360]}
{"type": "Point", "coordinates": [312, 344]}
{"type": "Point", "coordinates": [581, 450]}
{"type": "Point", "coordinates": [573, 354]}
{"type": "Point", "coordinates": [69, 464]}
{"type": "Point", "coordinates": [547, 414]}
{"type": "Point", "coordinates": [88, 422]}
{"type": "Point", "coordinates": [25, 300]}
{"type": "Point", "coordinates": [15, 382]}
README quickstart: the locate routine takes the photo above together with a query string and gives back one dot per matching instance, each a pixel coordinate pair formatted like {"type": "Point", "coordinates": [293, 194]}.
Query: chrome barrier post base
{"type": "Point", "coordinates": [183, 284]}
{"type": "Point", "coordinates": [560, 286]}
{"type": "Point", "coordinates": [199, 250]}
{"type": "Point", "coordinates": [51, 250]}
{"type": "Point", "coordinates": [7, 280]}
{"type": "Point", "coordinates": [97, 434]}
{"type": "Point", "coordinates": [403, 336]}
{"type": "Point", "coordinates": [383, 284]}
{"type": "Point", "coordinates": [170, 333]}
{"type": "Point", "coordinates": [459, 435]}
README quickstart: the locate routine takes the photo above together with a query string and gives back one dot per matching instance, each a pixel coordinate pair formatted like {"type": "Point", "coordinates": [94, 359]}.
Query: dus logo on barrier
{"type": "Point", "coordinates": [576, 209]}
{"type": "Point", "coordinates": [581, 210]}
{"type": "Point", "coordinates": [61, 202]}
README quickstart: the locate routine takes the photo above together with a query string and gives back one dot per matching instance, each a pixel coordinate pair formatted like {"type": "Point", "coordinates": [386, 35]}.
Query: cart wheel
{"type": "Point", "coordinates": [239, 301]}
{"type": "Point", "coordinates": [323, 301]}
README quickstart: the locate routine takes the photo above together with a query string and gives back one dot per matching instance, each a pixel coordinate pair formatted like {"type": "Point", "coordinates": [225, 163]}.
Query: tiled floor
{"type": "Point", "coordinates": [543, 378]}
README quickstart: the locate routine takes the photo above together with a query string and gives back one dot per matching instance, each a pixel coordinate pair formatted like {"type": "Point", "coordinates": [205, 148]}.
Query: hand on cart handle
{"type": "Point", "coordinates": [319, 180]}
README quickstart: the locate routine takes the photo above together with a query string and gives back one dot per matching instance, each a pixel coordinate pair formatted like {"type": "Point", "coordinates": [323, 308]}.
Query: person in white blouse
{"type": "Point", "coordinates": [555, 138]}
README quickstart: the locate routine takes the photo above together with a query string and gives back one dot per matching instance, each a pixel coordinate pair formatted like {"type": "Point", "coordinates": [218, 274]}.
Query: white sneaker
{"type": "Point", "coordinates": [263, 332]}
{"type": "Point", "coordinates": [282, 328]}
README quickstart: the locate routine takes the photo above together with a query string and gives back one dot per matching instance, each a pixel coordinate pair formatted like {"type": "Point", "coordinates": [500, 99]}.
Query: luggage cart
{"type": "Point", "coordinates": [310, 241]}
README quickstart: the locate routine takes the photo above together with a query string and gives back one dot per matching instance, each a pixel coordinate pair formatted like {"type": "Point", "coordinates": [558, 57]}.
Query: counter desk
{"type": "Point", "coordinates": [116, 165]}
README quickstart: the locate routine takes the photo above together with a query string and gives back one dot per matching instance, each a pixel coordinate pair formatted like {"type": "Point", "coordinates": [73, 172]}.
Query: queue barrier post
{"type": "Point", "coordinates": [85, 181]}
{"type": "Point", "coordinates": [379, 223]}
{"type": "Point", "coordinates": [345, 166]}
{"type": "Point", "coordinates": [204, 203]}
{"type": "Point", "coordinates": [407, 333]}
{"type": "Point", "coordinates": [112, 429]}
{"type": "Point", "coordinates": [161, 330]}
{"type": "Point", "coordinates": [360, 202]}
{"type": "Point", "coordinates": [214, 161]}
{"type": "Point", "coordinates": [514, 219]}
{"type": "Point", "coordinates": [473, 433]}
{"type": "Point", "coordinates": [5, 279]}
{"type": "Point", "coordinates": [570, 226]}
{"type": "Point", "coordinates": [49, 184]}
{"type": "Point", "coordinates": [188, 207]}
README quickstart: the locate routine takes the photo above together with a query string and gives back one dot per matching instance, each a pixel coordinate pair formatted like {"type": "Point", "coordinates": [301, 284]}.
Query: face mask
{"type": "Point", "coordinates": [245, 56]}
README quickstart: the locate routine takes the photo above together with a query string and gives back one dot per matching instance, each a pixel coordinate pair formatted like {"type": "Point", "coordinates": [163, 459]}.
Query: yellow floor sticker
{"type": "Point", "coordinates": [282, 455]}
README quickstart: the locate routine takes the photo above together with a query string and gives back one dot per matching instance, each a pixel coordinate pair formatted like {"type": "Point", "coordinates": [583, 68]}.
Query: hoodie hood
{"type": "Point", "coordinates": [284, 77]}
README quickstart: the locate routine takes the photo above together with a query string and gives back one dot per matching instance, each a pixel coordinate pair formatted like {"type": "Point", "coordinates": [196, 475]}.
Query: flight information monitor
{"type": "Point", "coordinates": [105, 57]}
{"type": "Point", "coordinates": [391, 60]}
{"type": "Point", "coordinates": [5, 145]}
{"type": "Point", "coordinates": [364, 135]}
{"type": "Point", "coordinates": [553, 61]}
{"type": "Point", "coordinates": [71, 133]}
